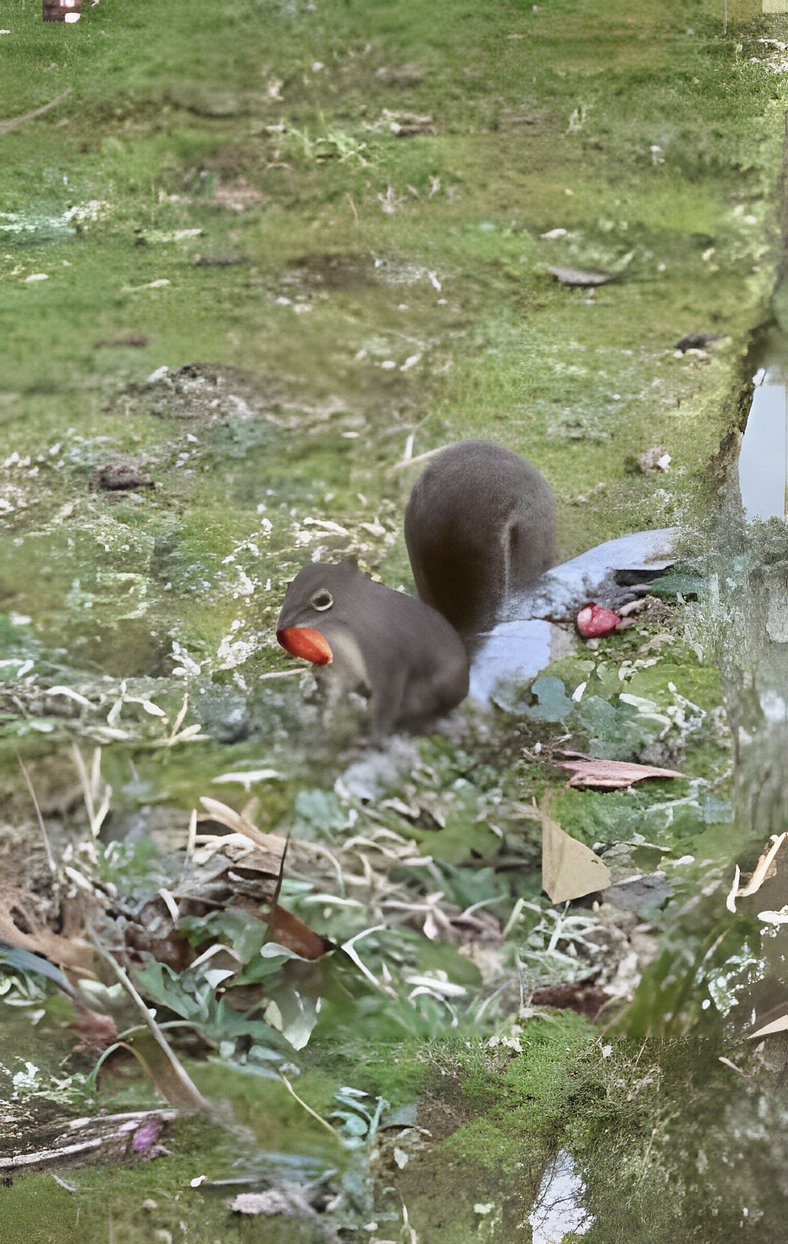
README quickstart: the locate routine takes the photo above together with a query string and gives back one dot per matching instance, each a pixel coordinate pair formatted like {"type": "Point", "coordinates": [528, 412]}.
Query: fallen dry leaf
{"type": "Point", "coordinates": [241, 870]}
{"type": "Point", "coordinates": [762, 870]}
{"type": "Point", "coordinates": [772, 1026]}
{"type": "Point", "coordinates": [290, 931]}
{"type": "Point", "coordinates": [227, 816]}
{"type": "Point", "coordinates": [22, 925]}
{"type": "Point", "coordinates": [588, 771]}
{"type": "Point", "coordinates": [569, 868]}
{"type": "Point", "coordinates": [214, 855]}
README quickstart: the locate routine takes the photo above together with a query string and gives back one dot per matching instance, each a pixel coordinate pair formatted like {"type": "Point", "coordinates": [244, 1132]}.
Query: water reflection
{"type": "Point", "coordinates": [775, 707]}
{"type": "Point", "coordinates": [558, 1211]}
{"type": "Point", "coordinates": [763, 459]}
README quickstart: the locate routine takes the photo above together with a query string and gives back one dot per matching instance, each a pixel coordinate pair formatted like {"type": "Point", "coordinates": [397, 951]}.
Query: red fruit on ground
{"type": "Point", "coordinates": [594, 620]}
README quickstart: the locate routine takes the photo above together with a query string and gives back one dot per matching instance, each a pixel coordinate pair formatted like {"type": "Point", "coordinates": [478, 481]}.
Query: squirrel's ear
{"type": "Point", "coordinates": [351, 561]}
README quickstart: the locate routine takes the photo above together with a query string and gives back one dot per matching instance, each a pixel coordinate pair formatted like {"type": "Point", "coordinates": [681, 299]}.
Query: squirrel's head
{"type": "Point", "coordinates": [318, 595]}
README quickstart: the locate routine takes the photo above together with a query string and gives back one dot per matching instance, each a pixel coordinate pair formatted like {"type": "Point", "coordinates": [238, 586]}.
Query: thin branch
{"type": "Point", "coordinates": [13, 123]}
{"type": "Point", "coordinates": [317, 1117]}
{"type": "Point", "coordinates": [191, 1092]}
{"type": "Point", "coordinates": [41, 825]}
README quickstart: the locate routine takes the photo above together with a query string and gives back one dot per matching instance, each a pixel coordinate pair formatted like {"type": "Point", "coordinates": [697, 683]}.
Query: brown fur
{"type": "Point", "coordinates": [480, 527]}
{"type": "Point", "coordinates": [405, 653]}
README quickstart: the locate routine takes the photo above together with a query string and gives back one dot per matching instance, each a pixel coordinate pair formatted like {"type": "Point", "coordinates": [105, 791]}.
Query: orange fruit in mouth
{"type": "Point", "coordinates": [306, 642]}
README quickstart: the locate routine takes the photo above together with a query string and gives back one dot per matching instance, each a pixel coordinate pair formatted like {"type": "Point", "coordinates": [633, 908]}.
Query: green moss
{"type": "Point", "coordinates": [522, 1099]}
{"type": "Point", "coordinates": [483, 1146]}
{"type": "Point", "coordinates": [130, 1203]}
{"type": "Point", "coordinates": [394, 1069]}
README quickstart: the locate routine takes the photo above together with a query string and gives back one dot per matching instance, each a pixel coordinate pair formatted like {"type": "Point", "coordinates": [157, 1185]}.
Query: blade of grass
{"type": "Point", "coordinates": [185, 1090]}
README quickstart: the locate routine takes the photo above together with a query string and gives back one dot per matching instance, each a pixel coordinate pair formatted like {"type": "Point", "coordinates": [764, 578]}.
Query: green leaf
{"type": "Point", "coordinates": [28, 963]}
{"type": "Point", "coordinates": [177, 992]}
{"type": "Point", "coordinates": [353, 1125]}
{"type": "Point", "coordinates": [298, 1015]}
{"type": "Point", "coordinates": [267, 962]}
{"type": "Point", "coordinates": [319, 814]}
{"type": "Point", "coordinates": [554, 704]}
{"type": "Point", "coordinates": [240, 930]}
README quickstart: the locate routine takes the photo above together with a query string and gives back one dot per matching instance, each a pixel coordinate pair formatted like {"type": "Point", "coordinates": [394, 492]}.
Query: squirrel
{"type": "Point", "coordinates": [409, 657]}
{"type": "Point", "coordinates": [479, 527]}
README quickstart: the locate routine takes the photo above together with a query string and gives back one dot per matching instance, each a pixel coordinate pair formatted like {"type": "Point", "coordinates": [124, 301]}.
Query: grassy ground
{"type": "Point", "coordinates": [410, 272]}
{"type": "Point", "coordinates": [222, 185]}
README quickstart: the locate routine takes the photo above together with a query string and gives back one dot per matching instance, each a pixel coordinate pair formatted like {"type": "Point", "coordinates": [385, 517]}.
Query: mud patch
{"type": "Point", "coordinates": [214, 105]}
{"type": "Point", "coordinates": [331, 270]}
{"type": "Point", "coordinates": [121, 476]}
{"type": "Point", "coordinates": [339, 270]}
{"type": "Point", "coordinates": [238, 196]}
{"type": "Point", "coordinates": [203, 393]}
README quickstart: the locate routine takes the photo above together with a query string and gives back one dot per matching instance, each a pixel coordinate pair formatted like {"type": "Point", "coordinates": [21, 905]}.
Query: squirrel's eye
{"type": "Point", "coordinates": [321, 599]}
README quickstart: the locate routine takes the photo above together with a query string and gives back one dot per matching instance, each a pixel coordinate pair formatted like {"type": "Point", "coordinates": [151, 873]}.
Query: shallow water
{"type": "Point", "coordinates": [763, 458]}
{"type": "Point", "coordinates": [514, 652]}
